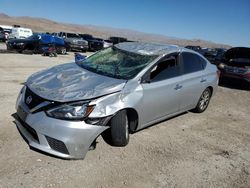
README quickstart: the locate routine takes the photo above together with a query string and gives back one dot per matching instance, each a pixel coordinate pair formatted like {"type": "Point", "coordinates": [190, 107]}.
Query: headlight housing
{"type": "Point", "coordinates": [71, 111]}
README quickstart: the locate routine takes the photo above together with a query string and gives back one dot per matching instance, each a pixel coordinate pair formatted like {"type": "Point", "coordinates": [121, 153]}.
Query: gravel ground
{"type": "Point", "coordinates": [211, 149]}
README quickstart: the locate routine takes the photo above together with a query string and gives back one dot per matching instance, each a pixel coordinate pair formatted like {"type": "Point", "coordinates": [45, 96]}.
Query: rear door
{"type": "Point", "coordinates": [194, 79]}
{"type": "Point", "coordinates": [161, 90]}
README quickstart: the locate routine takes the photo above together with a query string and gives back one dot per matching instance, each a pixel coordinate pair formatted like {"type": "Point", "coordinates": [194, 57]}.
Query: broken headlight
{"type": "Point", "coordinates": [71, 111]}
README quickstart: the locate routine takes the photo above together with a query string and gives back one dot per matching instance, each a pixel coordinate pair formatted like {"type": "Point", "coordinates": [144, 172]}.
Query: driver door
{"type": "Point", "coordinates": [161, 90]}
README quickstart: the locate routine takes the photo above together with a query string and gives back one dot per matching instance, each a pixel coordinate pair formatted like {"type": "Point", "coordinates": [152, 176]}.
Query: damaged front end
{"type": "Point", "coordinates": [57, 135]}
{"type": "Point", "coordinates": [236, 63]}
{"type": "Point", "coordinates": [54, 110]}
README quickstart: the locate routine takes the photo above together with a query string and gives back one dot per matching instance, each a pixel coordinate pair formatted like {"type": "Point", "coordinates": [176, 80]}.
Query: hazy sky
{"type": "Point", "coordinates": [222, 21]}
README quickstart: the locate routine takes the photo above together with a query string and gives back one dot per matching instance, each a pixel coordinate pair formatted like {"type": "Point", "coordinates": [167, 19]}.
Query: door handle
{"type": "Point", "coordinates": [177, 87]}
{"type": "Point", "coordinates": [203, 80]}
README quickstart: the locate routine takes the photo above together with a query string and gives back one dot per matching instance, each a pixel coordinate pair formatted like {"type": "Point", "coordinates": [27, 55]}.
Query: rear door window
{"type": "Point", "coordinates": [192, 62]}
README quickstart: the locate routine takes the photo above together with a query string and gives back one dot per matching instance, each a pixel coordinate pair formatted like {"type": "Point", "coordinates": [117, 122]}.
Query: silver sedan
{"type": "Point", "coordinates": [116, 91]}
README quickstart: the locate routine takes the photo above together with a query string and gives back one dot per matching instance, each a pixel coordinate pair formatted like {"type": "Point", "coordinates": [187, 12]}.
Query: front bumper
{"type": "Point", "coordinates": [14, 47]}
{"type": "Point", "coordinates": [65, 139]}
{"type": "Point", "coordinates": [79, 47]}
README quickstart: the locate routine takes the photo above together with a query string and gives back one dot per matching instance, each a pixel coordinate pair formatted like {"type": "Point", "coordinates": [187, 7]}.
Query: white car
{"type": "Point", "coordinates": [20, 33]}
{"type": "Point", "coordinates": [116, 91]}
{"type": "Point", "coordinates": [107, 43]}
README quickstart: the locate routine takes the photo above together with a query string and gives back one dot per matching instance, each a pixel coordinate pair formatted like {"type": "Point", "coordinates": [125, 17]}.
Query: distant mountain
{"type": "Point", "coordinates": [2, 15]}
{"type": "Point", "coordinates": [46, 25]}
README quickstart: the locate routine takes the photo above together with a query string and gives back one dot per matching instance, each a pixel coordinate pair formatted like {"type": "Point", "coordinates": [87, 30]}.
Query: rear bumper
{"type": "Point", "coordinates": [61, 138]}
{"type": "Point", "coordinates": [236, 76]}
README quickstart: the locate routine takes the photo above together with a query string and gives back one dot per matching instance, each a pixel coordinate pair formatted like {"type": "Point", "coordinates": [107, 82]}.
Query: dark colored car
{"type": "Point", "coordinates": [236, 63]}
{"type": "Point", "coordinates": [36, 43]}
{"type": "Point", "coordinates": [116, 40]}
{"type": "Point", "coordinates": [210, 54]}
{"type": "Point", "coordinates": [219, 55]}
{"type": "Point", "coordinates": [74, 41]}
{"type": "Point", "coordinates": [196, 48]}
{"type": "Point", "coordinates": [214, 55]}
{"type": "Point", "coordinates": [95, 44]}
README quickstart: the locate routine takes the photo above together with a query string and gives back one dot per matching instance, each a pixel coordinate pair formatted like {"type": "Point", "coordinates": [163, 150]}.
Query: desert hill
{"type": "Point", "coordinates": [46, 25]}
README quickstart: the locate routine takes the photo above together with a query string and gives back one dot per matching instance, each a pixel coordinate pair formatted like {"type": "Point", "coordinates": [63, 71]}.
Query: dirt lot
{"type": "Point", "coordinates": [192, 150]}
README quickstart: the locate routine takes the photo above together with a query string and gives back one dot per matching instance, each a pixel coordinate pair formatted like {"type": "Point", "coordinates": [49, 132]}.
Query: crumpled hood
{"type": "Point", "coordinates": [69, 82]}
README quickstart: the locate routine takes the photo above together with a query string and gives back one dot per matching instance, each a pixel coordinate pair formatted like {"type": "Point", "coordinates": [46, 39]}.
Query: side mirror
{"type": "Point", "coordinates": [79, 57]}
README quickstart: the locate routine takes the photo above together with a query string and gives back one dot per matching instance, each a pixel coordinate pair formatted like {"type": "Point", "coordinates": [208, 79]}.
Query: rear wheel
{"type": "Point", "coordinates": [120, 129]}
{"type": "Point", "coordinates": [203, 101]}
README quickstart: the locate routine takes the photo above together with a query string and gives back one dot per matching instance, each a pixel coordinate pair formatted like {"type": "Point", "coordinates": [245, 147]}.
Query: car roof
{"type": "Point", "coordinates": [144, 48]}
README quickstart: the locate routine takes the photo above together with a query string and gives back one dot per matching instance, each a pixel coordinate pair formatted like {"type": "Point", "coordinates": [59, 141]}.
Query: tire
{"type": "Point", "coordinates": [120, 129]}
{"type": "Point", "coordinates": [203, 101]}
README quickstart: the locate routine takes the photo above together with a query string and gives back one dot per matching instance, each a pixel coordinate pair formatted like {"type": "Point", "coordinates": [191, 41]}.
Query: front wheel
{"type": "Point", "coordinates": [203, 101]}
{"type": "Point", "coordinates": [120, 129]}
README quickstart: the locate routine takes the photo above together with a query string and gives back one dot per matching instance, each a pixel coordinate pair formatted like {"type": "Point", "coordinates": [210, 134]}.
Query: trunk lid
{"type": "Point", "coordinates": [238, 57]}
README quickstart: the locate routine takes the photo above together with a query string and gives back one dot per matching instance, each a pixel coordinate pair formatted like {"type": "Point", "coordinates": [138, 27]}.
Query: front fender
{"type": "Point", "coordinates": [129, 97]}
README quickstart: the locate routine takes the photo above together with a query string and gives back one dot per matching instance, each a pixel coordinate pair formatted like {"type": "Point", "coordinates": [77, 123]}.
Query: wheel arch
{"type": "Point", "coordinates": [133, 118]}
{"type": "Point", "coordinates": [211, 89]}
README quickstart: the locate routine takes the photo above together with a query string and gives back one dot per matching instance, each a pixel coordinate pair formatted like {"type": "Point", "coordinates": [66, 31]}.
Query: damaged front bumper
{"type": "Point", "coordinates": [61, 138]}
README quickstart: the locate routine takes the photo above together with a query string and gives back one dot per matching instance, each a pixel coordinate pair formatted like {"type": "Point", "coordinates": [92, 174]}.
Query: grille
{"type": "Point", "coordinates": [36, 100]}
{"type": "Point", "coordinates": [29, 129]}
{"type": "Point", "coordinates": [57, 145]}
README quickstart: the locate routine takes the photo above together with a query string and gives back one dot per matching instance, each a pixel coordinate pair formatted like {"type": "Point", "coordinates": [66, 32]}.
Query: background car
{"type": "Point", "coordinates": [214, 55]}
{"type": "Point", "coordinates": [74, 41]}
{"type": "Point", "coordinates": [236, 63]}
{"type": "Point", "coordinates": [107, 43]}
{"type": "Point", "coordinates": [20, 33]}
{"type": "Point", "coordinates": [95, 44]}
{"type": "Point", "coordinates": [195, 48]}
{"type": "Point", "coordinates": [116, 40]}
{"type": "Point", "coordinates": [36, 42]}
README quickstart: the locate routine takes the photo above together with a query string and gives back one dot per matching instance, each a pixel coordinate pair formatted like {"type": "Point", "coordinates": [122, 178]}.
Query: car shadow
{"type": "Point", "coordinates": [234, 84]}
